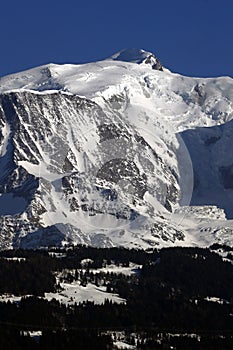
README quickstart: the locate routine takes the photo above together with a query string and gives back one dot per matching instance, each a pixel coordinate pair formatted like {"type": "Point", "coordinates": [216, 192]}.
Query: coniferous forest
{"type": "Point", "coordinates": [179, 298]}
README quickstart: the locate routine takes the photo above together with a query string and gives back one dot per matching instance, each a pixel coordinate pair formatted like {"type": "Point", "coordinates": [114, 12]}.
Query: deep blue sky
{"type": "Point", "coordinates": [192, 37]}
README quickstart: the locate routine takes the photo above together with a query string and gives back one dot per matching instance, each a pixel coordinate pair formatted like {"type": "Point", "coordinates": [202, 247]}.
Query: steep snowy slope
{"type": "Point", "coordinates": [103, 154]}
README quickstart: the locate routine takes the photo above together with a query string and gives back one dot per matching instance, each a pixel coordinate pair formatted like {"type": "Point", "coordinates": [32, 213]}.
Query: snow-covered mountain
{"type": "Point", "coordinates": [116, 152]}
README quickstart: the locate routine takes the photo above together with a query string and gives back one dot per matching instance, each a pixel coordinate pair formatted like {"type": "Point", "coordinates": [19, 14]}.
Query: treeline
{"type": "Point", "coordinates": [159, 312]}
{"type": "Point", "coordinates": [33, 276]}
{"type": "Point", "coordinates": [12, 339]}
{"type": "Point", "coordinates": [15, 339]}
{"type": "Point", "coordinates": [194, 272]}
{"type": "Point", "coordinates": [168, 295]}
{"type": "Point", "coordinates": [205, 342]}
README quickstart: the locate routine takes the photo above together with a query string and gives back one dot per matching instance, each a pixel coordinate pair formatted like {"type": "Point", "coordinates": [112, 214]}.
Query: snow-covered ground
{"type": "Point", "coordinates": [216, 300]}
{"type": "Point", "coordinates": [126, 271]}
{"type": "Point", "coordinates": [176, 130]}
{"type": "Point", "coordinates": [12, 298]}
{"type": "Point", "coordinates": [33, 334]}
{"type": "Point", "coordinates": [72, 293]}
{"type": "Point", "coordinates": [13, 259]}
{"type": "Point", "coordinates": [75, 293]}
{"type": "Point", "coordinates": [123, 345]}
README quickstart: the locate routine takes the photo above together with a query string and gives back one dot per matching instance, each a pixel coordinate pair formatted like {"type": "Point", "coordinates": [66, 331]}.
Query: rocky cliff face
{"type": "Point", "coordinates": [64, 157]}
{"type": "Point", "coordinates": [103, 154]}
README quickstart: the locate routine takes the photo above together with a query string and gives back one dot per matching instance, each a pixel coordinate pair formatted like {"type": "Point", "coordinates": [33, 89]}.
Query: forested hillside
{"type": "Point", "coordinates": [180, 297]}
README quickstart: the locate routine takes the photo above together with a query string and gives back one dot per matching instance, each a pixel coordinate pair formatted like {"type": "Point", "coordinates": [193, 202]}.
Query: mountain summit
{"type": "Point", "coordinates": [112, 153]}
{"type": "Point", "coordinates": [138, 56]}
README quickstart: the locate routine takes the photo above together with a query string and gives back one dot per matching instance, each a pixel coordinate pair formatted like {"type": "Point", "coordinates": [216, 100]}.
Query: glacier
{"type": "Point", "coordinates": [120, 152]}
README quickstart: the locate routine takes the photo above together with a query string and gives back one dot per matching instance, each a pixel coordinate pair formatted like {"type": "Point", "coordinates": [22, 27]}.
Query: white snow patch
{"type": "Point", "coordinates": [123, 345]}
{"type": "Point", "coordinates": [126, 271]}
{"type": "Point", "coordinates": [13, 259]}
{"type": "Point", "coordinates": [216, 300]}
{"type": "Point", "coordinates": [75, 293]}
{"type": "Point", "coordinates": [6, 131]}
{"type": "Point", "coordinates": [12, 298]}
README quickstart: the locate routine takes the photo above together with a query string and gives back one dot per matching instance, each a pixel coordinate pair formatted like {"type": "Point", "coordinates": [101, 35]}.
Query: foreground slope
{"type": "Point", "coordinates": [113, 153]}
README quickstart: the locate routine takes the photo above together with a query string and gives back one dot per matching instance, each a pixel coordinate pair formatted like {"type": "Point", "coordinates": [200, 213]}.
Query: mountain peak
{"type": "Point", "coordinates": [138, 56]}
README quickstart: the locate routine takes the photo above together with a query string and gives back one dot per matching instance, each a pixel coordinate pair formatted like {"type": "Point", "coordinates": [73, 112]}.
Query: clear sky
{"type": "Point", "coordinates": [191, 37]}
